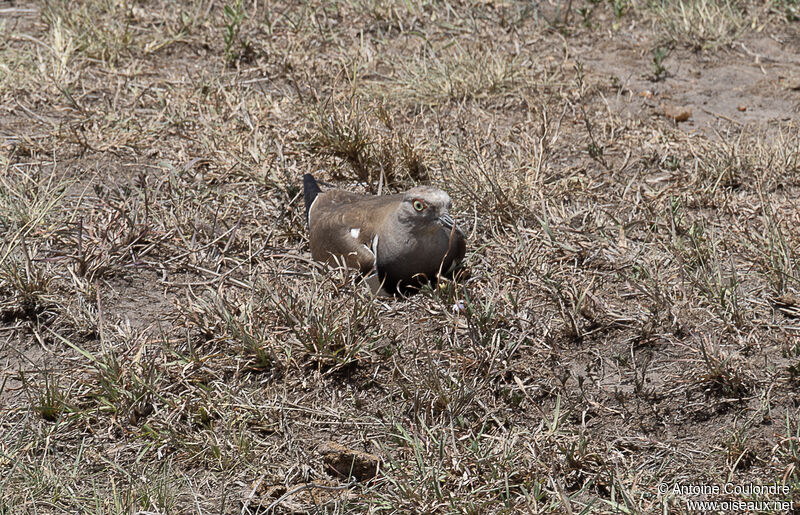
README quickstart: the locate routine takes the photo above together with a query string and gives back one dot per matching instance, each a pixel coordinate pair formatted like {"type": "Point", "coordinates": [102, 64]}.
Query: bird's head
{"type": "Point", "coordinates": [424, 205]}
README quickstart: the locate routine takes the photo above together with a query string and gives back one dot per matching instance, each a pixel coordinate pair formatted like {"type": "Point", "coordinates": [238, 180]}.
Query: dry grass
{"type": "Point", "coordinates": [701, 24]}
{"type": "Point", "coordinates": [628, 315]}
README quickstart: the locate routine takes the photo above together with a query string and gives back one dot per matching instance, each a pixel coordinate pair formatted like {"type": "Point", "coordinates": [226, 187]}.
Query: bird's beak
{"type": "Point", "coordinates": [446, 221]}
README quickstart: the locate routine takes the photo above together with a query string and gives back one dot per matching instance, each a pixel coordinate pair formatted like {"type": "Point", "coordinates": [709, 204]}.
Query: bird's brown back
{"type": "Point", "coordinates": [333, 215]}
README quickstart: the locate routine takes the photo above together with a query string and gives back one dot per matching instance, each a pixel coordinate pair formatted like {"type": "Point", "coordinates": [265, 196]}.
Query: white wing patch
{"type": "Point", "coordinates": [311, 208]}
{"type": "Point", "coordinates": [354, 232]}
{"type": "Point", "coordinates": [372, 250]}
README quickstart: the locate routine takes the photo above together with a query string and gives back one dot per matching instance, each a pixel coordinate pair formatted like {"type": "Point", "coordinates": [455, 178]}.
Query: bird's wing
{"type": "Point", "coordinates": [346, 225]}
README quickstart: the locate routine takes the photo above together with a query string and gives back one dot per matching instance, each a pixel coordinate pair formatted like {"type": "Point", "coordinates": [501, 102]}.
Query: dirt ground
{"type": "Point", "coordinates": [624, 336]}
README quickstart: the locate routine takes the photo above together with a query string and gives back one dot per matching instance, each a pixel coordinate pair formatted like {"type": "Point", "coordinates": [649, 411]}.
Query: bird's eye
{"type": "Point", "coordinates": [419, 205]}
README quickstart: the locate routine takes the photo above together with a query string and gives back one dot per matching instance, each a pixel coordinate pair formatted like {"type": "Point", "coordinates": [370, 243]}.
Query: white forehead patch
{"type": "Point", "coordinates": [354, 232]}
{"type": "Point", "coordinates": [428, 194]}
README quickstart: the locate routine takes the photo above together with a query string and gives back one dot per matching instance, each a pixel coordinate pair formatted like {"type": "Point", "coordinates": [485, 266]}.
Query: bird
{"type": "Point", "coordinates": [403, 240]}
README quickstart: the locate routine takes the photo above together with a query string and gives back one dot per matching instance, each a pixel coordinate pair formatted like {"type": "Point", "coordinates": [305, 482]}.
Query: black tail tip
{"type": "Point", "coordinates": [310, 191]}
{"type": "Point", "coordinates": [309, 183]}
